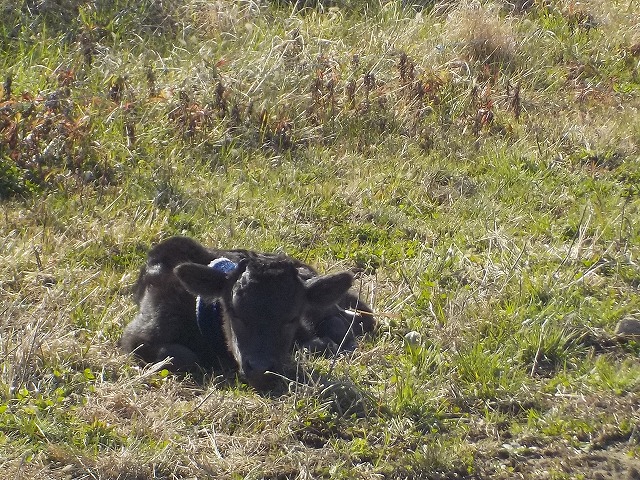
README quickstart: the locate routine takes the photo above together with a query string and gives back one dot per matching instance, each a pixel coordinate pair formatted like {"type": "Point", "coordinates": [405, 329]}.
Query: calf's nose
{"type": "Point", "coordinates": [261, 374]}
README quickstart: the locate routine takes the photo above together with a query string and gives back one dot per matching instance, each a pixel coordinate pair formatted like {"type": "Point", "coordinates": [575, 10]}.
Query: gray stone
{"type": "Point", "coordinates": [413, 339]}
{"type": "Point", "coordinates": [628, 327]}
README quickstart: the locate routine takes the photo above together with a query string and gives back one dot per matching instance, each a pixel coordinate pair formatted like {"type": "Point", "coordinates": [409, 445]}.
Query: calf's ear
{"type": "Point", "coordinates": [201, 280]}
{"type": "Point", "coordinates": [328, 289]}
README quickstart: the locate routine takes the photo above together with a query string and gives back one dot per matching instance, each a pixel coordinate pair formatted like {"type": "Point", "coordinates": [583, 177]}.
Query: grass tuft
{"type": "Point", "coordinates": [483, 34]}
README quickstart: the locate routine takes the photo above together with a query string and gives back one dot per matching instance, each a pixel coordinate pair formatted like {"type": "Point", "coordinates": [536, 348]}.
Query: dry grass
{"type": "Point", "coordinates": [482, 34]}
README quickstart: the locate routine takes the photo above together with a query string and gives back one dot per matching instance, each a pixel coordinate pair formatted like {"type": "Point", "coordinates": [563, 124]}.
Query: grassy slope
{"type": "Point", "coordinates": [486, 185]}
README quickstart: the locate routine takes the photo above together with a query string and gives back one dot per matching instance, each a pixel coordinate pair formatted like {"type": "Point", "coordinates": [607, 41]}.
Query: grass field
{"type": "Point", "coordinates": [477, 163]}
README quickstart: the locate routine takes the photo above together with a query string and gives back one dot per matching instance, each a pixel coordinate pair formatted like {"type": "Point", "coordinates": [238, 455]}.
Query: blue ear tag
{"type": "Point", "coordinates": [208, 314]}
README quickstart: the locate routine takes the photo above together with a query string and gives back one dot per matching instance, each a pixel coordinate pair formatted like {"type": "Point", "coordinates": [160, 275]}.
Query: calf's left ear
{"type": "Point", "coordinates": [328, 289]}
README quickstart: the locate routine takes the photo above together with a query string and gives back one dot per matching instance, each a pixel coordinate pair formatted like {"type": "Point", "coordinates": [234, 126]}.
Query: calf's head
{"type": "Point", "coordinates": [263, 302]}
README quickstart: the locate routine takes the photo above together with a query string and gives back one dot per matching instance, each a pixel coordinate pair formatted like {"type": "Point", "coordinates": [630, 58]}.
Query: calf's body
{"type": "Point", "coordinates": [261, 305]}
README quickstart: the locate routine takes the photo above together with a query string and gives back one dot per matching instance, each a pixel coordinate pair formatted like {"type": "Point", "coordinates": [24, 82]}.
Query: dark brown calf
{"type": "Point", "coordinates": [207, 308]}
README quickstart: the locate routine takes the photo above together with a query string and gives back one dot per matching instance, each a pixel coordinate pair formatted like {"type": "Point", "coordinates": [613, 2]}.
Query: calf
{"type": "Point", "coordinates": [216, 308]}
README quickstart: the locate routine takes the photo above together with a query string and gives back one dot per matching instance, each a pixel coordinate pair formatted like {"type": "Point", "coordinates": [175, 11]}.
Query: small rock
{"type": "Point", "coordinates": [503, 453]}
{"type": "Point", "coordinates": [628, 327]}
{"type": "Point", "coordinates": [48, 281]}
{"type": "Point", "coordinates": [413, 339]}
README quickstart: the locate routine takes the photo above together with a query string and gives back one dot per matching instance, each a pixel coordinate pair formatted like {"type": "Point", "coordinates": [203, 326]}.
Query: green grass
{"type": "Point", "coordinates": [478, 163]}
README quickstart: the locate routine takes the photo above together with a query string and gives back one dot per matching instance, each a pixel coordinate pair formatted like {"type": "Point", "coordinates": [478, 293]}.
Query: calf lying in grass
{"type": "Point", "coordinates": [207, 308]}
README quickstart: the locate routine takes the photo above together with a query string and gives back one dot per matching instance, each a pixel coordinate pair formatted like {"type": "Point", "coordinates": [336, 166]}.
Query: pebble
{"type": "Point", "coordinates": [628, 327]}
{"type": "Point", "coordinates": [413, 339]}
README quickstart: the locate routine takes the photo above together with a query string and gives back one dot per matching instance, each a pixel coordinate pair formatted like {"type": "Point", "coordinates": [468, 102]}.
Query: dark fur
{"type": "Point", "coordinates": [269, 302]}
